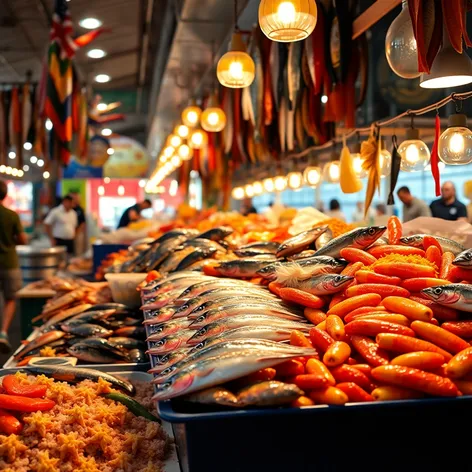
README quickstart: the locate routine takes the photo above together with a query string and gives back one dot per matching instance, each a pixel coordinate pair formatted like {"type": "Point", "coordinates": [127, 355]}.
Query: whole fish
{"type": "Point", "coordinates": [140, 260]}
{"type": "Point", "coordinates": [167, 298]}
{"type": "Point", "coordinates": [251, 252]}
{"type": "Point", "coordinates": [457, 296]}
{"type": "Point", "coordinates": [228, 132]}
{"type": "Point", "coordinates": [170, 343]}
{"type": "Point", "coordinates": [63, 301]}
{"type": "Point", "coordinates": [300, 241]}
{"type": "Point", "coordinates": [269, 393]}
{"type": "Point", "coordinates": [138, 356]}
{"type": "Point", "coordinates": [89, 316]}
{"type": "Point", "coordinates": [174, 259]}
{"type": "Point", "coordinates": [59, 346]}
{"type": "Point", "coordinates": [215, 283]}
{"type": "Point", "coordinates": [173, 233]}
{"type": "Point", "coordinates": [359, 238]}
{"type": "Point", "coordinates": [447, 244]}
{"type": "Point", "coordinates": [226, 311]}
{"type": "Point", "coordinates": [164, 251]}
{"type": "Point", "coordinates": [218, 370]}
{"type": "Point", "coordinates": [64, 315]}
{"type": "Point", "coordinates": [205, 243]}
{"type": "Point", "coordinates": [324, 284]}
{"type": "Point", "coordinates": [181, 284]}
{"type": "Point", "coordinates": [216, 234]}
{"type": "Point", "coordinates": [87, 330]}
{"type": "Point", "coordinates": [213, 396]}
{"type": "Point", "coordinates": [256, 89]}
{"type": "Point", "coordinates": [136, 332]}
{"type": "Point", "coordinates": [126, 343]}
{"type": "Point", "coordinates": [324, 239]}
{"type": "Point", "coordinates": [97, 354]}
{"type": "Point", "coordinates": [263, 246]}
{"type": "Point", "coordinates": [40, 341]}
{"type": "Point", "coordinates": [240, 268]}
{"type": "Point", "coordinates": [464, 259]}
{"type": "Point", "coordinates": [108, 306]}
{"type": "Point", "coordinates": [167, 328]}
{"type": "Point", "coordinates": [302, 255]}
{"type": "Point", "coordinates": [239, 321]}
{"type": "Point", "coordinates": [78, 374]}
{"type": "Point", "coordinates": [167, 281]}
{"type": "Point", "coordinates": [223, 347]}
{"type": "Point", "coordinates": [195, 256]}
{"type": "Point", "coordinates": [293, 72]}
{"type": "Point", "coordinates": [274, 71]}
{"type": "Point", "coordinates": [162, 361]}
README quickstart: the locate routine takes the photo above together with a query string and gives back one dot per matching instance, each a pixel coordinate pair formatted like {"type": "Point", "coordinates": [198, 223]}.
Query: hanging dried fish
{"type": "Point", "coordinates": [294, 73]}
{"type": "Point", "coordinates": [350, 182]}
{"type": "Point", "coordinates": [282, 124]}
{"type": "Point", "coordinates": [26, 114]}
{"type": "Point", "coordinates": [3, 130]}
{"type": "Point", "coordinates": [453, 12]}
{"type": "Point", "coordinates": [396, 164]}
{"type": "Point", "coordinates": [274, 72]}
{"type": "Point", "coordinates": [228, 130]}
{"type": "Point", "coordinates": [15, 123]}
{"type": "Point", "coordinates": [435, 156]}
{"type": "Point", "coordinates": [370, 154]}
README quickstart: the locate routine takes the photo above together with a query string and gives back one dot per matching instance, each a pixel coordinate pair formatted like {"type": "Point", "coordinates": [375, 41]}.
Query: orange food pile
{"type": "Point", "coordinates": [337, 226]}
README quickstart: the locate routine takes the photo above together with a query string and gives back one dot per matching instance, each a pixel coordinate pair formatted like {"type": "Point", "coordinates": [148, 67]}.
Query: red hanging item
{"type": "Point", "coordinates": [435, 157]}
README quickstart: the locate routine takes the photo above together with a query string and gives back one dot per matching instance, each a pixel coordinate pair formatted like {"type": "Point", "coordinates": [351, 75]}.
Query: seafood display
{"type": "Point", "coordinates": [48, 425]}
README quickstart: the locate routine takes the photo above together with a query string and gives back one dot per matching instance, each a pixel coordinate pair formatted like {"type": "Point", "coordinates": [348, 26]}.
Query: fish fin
{"type": "Point", "coordinates": [290, 275]}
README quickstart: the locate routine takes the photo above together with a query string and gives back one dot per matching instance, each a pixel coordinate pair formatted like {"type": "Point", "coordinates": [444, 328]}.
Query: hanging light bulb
{"type": "Point", "coordinates": [385, 159]}
{"type": "Point", "coordinates": [176, 161]}
{"type": "Point", "coordinates": [121, 190]}
{"type": "Point", "coordinates": [332, 172]}
{"type": "Point", "coordinates": [238, 193]}
{"type": "Point", "coordinates": [184, 152]}
{"type": "Point", "coordinates": [213, 118]}
{"type": "Point", "coordinates": [280, 183]}
{"type": "Point", "coordinates": [168, 151]}
{"type": "Point", "coordinates": [248, 190]}
{"type": "Point", "coordinates": [236, 69]}
{"type": "Point", "coordinates": [268, 184]}
{"type": "Point", "coordinates": [400, 46]}
{"type": "Point", "coordinates": [414, 152]}
{"type": "Point", "coordinates": [312, 175]}
{"type": "Point", "coordinates": [191, 115]}
{"type": "Point", "coordinates": [257, 188]}
{"type": "Point", "coordinates": [455, 144]}
{"type": "Point", "coordinates": [198, 139]}
{"type": "Point", "coordinates": [357, 160]}
{"type": "Point", "coordinates": [174, 141]}
{"type": "Point", "coordinates": [287, 21]}
{"type": "Point", "coordinates": [294, 180]}
{"type": "Point", "coordinates": [182, 131]}
{"type": "Point", "coordinates": [101, 190]}
{"type": "Point", "coordinates": [449, 69]}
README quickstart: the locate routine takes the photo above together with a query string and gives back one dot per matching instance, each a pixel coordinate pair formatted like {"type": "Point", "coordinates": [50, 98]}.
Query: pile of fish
{"type": "Point", "coordinates": [204, 331]}
{"type": "Point", "coordinates": [100, 334]}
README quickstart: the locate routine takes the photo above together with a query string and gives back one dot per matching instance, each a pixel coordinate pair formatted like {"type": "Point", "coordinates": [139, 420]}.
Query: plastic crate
{"type": "Point", "coordinates": [411, 435]}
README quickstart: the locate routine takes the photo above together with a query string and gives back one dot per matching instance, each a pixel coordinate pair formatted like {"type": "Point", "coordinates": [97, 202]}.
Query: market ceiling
{"type": "Point", "coordinates": [24, 33]}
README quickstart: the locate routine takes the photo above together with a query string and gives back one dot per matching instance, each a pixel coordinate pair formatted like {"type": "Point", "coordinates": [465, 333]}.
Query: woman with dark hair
{"type": "Point", "coordinates": [335, 210]}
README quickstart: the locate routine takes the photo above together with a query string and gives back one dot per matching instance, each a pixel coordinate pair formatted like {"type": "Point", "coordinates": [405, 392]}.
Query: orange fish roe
{"type": "Point", "coordinates": [410, 259]}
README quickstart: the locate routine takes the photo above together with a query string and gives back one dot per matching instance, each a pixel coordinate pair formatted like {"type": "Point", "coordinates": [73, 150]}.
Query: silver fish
{"type": "Point", "coordinates": [64, 315]}
{"type": "Point", "coordinates": [166, 282]}
{"type": "Point", "coordinates": [197, 255]}
{"type": "Point", "coordinates": [241, 268]}
{"type": "Point", "coordinates": [173, 233]}
{"type": "Point", "coordinates": [457, 296]}
{"type": "Point", "coordinates": [302, 255]}
{"type": "Point", "coordinates": [163, 252]}
{"type": "Point", "coordinates": [40, 341]}
{"type": "Point", "coordinates": [324, 284]}
{"type": "Point", "coordinates": [213, 396]}
{"type": "Point", "coordinates": [89, 316]}
{"type": "Point", "coordinates": [162, 361]}
{"type": "Point", "coordinates": [165, 329]}
{"type": "Point", "coordinates": [208, 284]}
{"type": "Point", "coordinates": [170, 343]}
{"type": "Point", "coordinates": [264, 246]}
{"type": "Point", "coordinates": [216, 234]}
{"type": "Point", "coordinates": [87, 330]}
{"type": "Point", "coordinates": [324, 239]}
{"type": "Point", "coordinates": [205, 243]}
{"type": "Point", "coordinates": [126, 343]}
{"type": "Point", "coordinates": [447, 244]}
{"type": "Point", "coordinates": [161, 301]}
{"type": "Point", "coordinates": [218, 370]}
{"type": "Point", "coordinates": [174, 259]}
{"type": "Point", "coordinates": [359, 238]}
{"type": "Point", "coordinates": [300, 241]}
{"type": "Point", "coordinates": [269, 393]}
{"type": "Point", "coordinates": [173, 285]}
{"type": "Point", "coordinates": [239, 321]}
{"type": "Point", "coordinates": [464, 259]}
{"type": "Point", "coordinates": [96, 354]}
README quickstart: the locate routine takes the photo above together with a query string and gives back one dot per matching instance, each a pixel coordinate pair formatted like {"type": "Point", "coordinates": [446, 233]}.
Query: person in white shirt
{"type": "Point", "coordinates": [335, 210]}
{"type": "Point", "coordinates": [61, 225]}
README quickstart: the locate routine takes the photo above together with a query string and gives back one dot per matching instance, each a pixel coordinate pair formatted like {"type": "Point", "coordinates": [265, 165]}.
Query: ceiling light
{"type": "Point", "coordinates": [106, 180]}
{"type": "Point", "coordinates": [20, 173]}
{"type": "Point", "coordinates": [40, 163]}
{"type": "Point", "coordinates": [175, 141]}
{"type": "Point", "coordinates": [198, 139]}
{"type": "Point", "coordinates": [173, 188]}
{"type": "Point", "coordinates": [191, 115]}
{"type": "Point", "coordinates": [96, 53]}
{"type": "Point", "coordinates": [280, 183]}
{"type": "Point", "coordinates": [8, 170]}
{"type": "Point", "coordinates": [101, 190]}
{"type": "Point", "coordinates": [324, 98]}
{"type": "Point", "coordinates": [213, 118]}
{"type": "Point", "coordinates": [332, 172]}
{"type": "Point", "coordinates": [182, 131]}
{"type": "Point", "coordinates": [142, 183]}
{"type": "Point", "coordinates": [176, 161]}
{"type": "Point", "coordinates": [238, 193]}
{"type": "Point", "coordinates": [12, 155]}
{"type": "Point", "coordinates": [294, 180]}
{"type": "Point", "coordinates": [48, 124]}
{"type": "Point", "coordinates": [14, 172]}
{"type": "Point", "coordinates": [110, 151]}
{"type": "Point", "coordinates": [102, 107]}
{"type": "Point", "coordinates": [268, 184]}
{"type": "Point", "coordinates": [106, 132]}
{"type": "Point", "coordinates": [121, 190]}
{"type": "Point", "coordinates": [249, 191]}
{"type": "Point", "coordinates": [185, 152]}
{"type": "Point", "coordinates": [33, 159]}
{"type": "Point", "coordinates": [3, 168]}
{"type": "Point", "coordinates": [46, 174]}
{"type": "Point", "coordinates": [287, 21]}
{"type": "Point", "coordinates": [455, 144]}
{"type": "Point", "coordinates": [414, 152]}
{"type": "Point", "coordinates": [26, 167]}
{"type": "Point", "coordinates": [90, 23]}
{"type": "Point", "coordinates": [168, 151]}
{"type": "Point", "coordinates": [27, 146]}
{"type": "Point", "coordinates": [102, 78]}
{"type": "Point", "coordinates": [257, 188]}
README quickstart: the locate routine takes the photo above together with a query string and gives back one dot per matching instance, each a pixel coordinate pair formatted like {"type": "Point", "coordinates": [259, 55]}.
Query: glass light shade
{"type": "Point", "coordinates": [213, 119]}
{"type": "Point", "coordinates": [236, 69]}
{"type": "Point", "coordinates": [191, 116]}
{"type": "Point", "coordinates": [294, 180]}
{"type": "Point", "coordinates": [185, 152]}
{"type": "Point", "coordinates": [248, 190]}
{"type": "Point", "coordinates": [268, 185]}
{"type": "Point", "coordinates": [312, 175]}
{"type": "Point", "coordinates": [400, 46]}
{"type": "Point", "coordinates": [175, 141]}
{"type": "Point", "coordinates": [238, 193]}
{"type": "Point", "coordinates": [257, 188]}
{"type": "Point", "coordinates": [332, 172]}
{"type": "Point", "coordinates": [280, 183]}
{"type": "Point", "coordinates": [385, 163]}
{"type": "Point", "coordinates": [163, 159]}
{"type": "Point", "coordinates": [414, 152]}
{"type": "Point", "coordinates": [182, 130]}
{"type": "Point", "coordinates": [198, 139]}
{"type": "Point", "coordinates": [287, 20]}
{"type": "Point", "coordinates": [168, 151]}
{"type": "Point", "coordinates": [455, 144]}
{"type": "Point", "coordinates": [176, 161]}
{"type": "Point", "coordinates": [357, 164]}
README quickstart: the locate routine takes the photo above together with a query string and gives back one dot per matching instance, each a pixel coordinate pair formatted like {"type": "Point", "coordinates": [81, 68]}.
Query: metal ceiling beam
{"type": "Point", "coordinates": [373, 14]}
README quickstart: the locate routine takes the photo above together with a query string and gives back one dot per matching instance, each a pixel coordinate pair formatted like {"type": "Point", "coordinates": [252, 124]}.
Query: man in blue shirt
{"type": "Point", "coordinates": [448, 207]}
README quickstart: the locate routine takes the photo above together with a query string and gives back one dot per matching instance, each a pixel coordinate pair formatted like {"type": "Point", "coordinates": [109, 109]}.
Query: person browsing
{"type": "Point", "coordinates": [133, 213]}
{"type": "Point", "coordinates": [448, 207]}
{"type": "Point", "coordinates": [412, 207]}
{"type": "Point", "coordinates": [61, 224]}
{"type": "Point", "coordinates": [11, 234]}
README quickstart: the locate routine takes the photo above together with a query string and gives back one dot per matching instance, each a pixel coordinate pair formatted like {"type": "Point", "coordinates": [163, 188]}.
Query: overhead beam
{"type": "Point", "coordinates": [373, 14]}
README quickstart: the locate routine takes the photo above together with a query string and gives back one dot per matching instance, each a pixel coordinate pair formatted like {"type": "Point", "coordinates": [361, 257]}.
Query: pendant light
{"type": "Point", "coordinates": [248, 191]}
{"type": "Point", "coordinates": [257, 188]}
{"type": "Point", "coordinates": [294, 180]}
{"type": "Point", "coordinates": [287, 20]}
{"type": "Point", "coordinates": [185, 152]}
{"type": "Point", "coordinates": [312, 176]}
{"type": "Point", "coordinates": [455, 144]}
{"type": "Point", "coordinates": [357, 159]}
{"type": "Point", "coordinates": [176, 161]}
{"type": "Point", "coordinates": [174, 141]}
{"type": "Point", "coordinates": [213, 118]}
{"type": "Point", "coordinates": [236, 69]}
{"type": "Point", "coordinates": [400, 46]}
{"type": "Point", "coordinates": [168, 151]}
{"type": "Point", "coordinates": [449, 69]}
{"type": "Point", "coordinates": [385, 159]}
{"type": "Point", "coordinates": [331, 170]}
{"type": "Point", "coordinates": [280, 183]}
{"type": "Point", "coordinates": [268, 184]}
{"type": "Point", "coordinates": [191, 115]}
{"type": "Point", "coordinates": [182, 131]}
{"type": "Point", "coordinates": [414, 152]}
{"type": "Point", "coordinates": [198, 139]}
{"type": "Point", "coordinates": [238, 193]}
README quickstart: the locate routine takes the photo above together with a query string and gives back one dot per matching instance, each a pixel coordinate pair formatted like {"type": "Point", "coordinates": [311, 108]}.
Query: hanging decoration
{"type": "Point", "coordinates": [191, 115]}
{"type": "Point", "coordinates": [370, 162]}
{"type": "Point", "coordinates": [3, 129]}
{"type": "Point", "coordinates": [455, 144]}
{"type": "Point", "coordinates": [396, 164]}
{"type": "Point", "coordinates": [349, 180]}
{"type": "Point", "coordinates": [435, 156]}
{"type": "Point", "coordinates": [414, 152]}
{"type": "Point", "coordinates": [213, 118]}
{"type": "Point", "coordinates": [385, 159]}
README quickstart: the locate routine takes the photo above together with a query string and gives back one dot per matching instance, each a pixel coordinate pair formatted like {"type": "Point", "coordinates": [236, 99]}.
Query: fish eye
{"type": "Point", "coordinates": [158, 330]}
{"type": "Point", "coordinates": [165, 386]}
{"type": "Point", "coordinates": [437, 291]}
{"type": "Point", "coordinates": [183, 307]}
{"type": "Point", "coordinates": [167, 371]}
{"type": "Point", "coordinates": [371, 231]}
{"type": "Point", "coordinates": [200, 319]}
{"type": "Point", "coordinates": [202, 331]}
{"type": "Point", "coordinates": [200, 346]}
{"type": "Point", "coordinates": [160, 343]}
{"type": "Point", "coordinates": [164, 359]}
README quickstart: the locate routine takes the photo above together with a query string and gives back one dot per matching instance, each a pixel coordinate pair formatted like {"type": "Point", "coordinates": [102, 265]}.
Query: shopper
{"type": "Point", "coordinates": [335, 210]}
{"type": "Point", "coordinates": [80, 235]}
{"type": "Point", "coordinates": [133, 213]}
{"type": "Point", "coordinates": [61, 224]}
{"type": "Point", "coordinates": [247, 207]}
{"type": "Point", "coordinates": [448, 207]}
{"type": "Point", "coordinates": [412, 207]}
{"type": "Point", "coordinates": [11, 234]}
